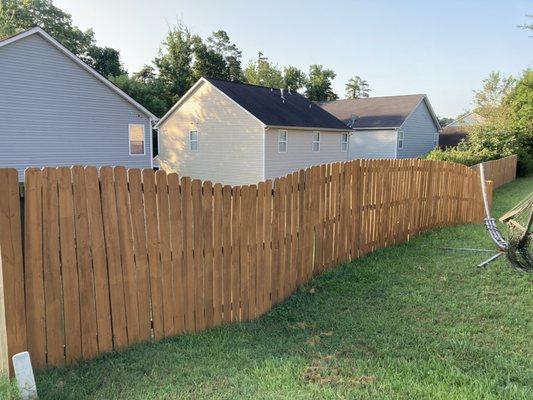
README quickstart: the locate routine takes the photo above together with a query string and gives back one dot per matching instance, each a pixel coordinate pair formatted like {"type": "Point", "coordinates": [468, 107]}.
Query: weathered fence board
{"type": "Point", "coordinates": [114, 257]}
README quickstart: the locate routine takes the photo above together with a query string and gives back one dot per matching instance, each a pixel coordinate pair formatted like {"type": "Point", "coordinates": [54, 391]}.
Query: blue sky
{"type": "Point", "coordinates": [441, 48]}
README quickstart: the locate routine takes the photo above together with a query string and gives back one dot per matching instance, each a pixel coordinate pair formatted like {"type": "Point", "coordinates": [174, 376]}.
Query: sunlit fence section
{"type": "Point", "coordinates": [99, 259]}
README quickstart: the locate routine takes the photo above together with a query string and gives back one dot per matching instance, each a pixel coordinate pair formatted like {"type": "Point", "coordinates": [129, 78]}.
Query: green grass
{"type": "Point", "coordinates": [410, 321]}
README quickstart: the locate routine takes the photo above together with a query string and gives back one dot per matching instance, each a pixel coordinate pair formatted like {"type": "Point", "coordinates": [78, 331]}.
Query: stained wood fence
{"type": "Point", "coordinates": [98, 260]}
{"type": "Point", "coordinates": [499, 171]}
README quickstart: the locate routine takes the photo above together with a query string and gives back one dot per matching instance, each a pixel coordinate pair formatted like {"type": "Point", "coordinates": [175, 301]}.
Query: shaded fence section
{"type": "Point", "coordinates": [103, 259]}
{"type": "Point", "coordinates": [499, 171]}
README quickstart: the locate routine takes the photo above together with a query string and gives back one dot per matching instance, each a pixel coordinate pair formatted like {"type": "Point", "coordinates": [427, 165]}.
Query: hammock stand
{"type": "Point", "coordinates": [490, 224]}
{"type": "Point", "coordinates": [519, 220]}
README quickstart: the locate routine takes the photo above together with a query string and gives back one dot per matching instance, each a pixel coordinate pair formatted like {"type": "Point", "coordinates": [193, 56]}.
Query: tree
{"type": "Point", "coordinates": [443, 121]}
{"type": "Point", "coordinates": [220, 42]}
{"type": "Point", "coordinates": [207, 61]}
{"type": "Point", "coordinates": [146, 74]}
{"type": "Point", "coordinates": [293, 78]}
{"type": "Point", "coordinates": [174, 64]}
{"type": "Point", "coordinates": [105, 60]}
{"type": "Point", "coordinates": [495, 88]}
{"type": "Point", "coordinates": [318, 87]}
{"type": "Point", "coordinates": [357, 88]}
{"type": "Point", "coordinates": [262, 72]}
{"type": "Point", "coordinates": [507, 130]}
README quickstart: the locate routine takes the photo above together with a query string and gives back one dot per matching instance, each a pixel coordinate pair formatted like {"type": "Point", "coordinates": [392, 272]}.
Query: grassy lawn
{"type": "Point", "coordinates": [410, 321]}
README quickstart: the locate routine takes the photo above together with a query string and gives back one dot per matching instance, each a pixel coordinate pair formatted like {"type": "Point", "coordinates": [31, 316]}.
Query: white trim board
{"type": "Point", "coordinates": [74, 58]}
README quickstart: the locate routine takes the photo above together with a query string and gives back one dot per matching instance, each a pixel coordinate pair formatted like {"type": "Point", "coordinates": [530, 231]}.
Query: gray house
{"type": "Point", "coordinates": [388, 127]}
{"type": "Point", "coordinates": [57, 111]}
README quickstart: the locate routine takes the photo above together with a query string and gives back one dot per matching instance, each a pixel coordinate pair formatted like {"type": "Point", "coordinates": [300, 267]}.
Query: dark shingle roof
{"type": "Point", "coordinates": [374, 112]}
{"type": "Point", "coordinates": [267, 106]}
{"type": "Point", "coordinates": [452, 135]}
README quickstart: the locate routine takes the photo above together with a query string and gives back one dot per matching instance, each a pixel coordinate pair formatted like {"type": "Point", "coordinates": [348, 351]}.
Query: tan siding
{"type": "Point", "coordinates": [230, 140]}
{"type": "Point", "coordinates": [300, 152]}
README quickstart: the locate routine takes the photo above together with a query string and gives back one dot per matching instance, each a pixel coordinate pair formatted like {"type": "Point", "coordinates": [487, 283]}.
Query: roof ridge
{"type": "Point", "coordinates": [373, 97]}
{"type": "Point", "coordinates": [246, 84]}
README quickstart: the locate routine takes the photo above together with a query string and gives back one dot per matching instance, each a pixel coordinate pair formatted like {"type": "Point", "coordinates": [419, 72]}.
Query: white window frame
{"type": "Point", "coordinates": [280, 141]}
{"type": "Point", "coordinates": [316, 141]}
{"type": "Point", "coordinates": [401, 139]}
{"type": "Point", "coordinates": [344, 143]}
{"type": "Point", "coordinates": [190, 140]}
{"type": "Point", "coordinates": [129, 140]}
{"type": "Point", "coordinates": [435, 139]}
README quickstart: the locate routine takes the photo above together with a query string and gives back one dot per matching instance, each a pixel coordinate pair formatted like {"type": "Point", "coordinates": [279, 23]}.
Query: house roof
{"type": "Point", "coordinates": [386, 112]}
{"type": "Point", "coordinates": [469, 119]}
{"type": "Point", "coordinates": [64, 50]}
{"type": "Point", "coordinates": [271, 109]}
{"type": "Point", "coordinates": [452, 135]}
{"type": "Point", "coordinates": [268, 106]}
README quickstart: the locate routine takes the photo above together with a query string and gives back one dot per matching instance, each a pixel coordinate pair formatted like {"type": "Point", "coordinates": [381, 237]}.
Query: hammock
{"type": "Point", "coordinates": [518, 247]}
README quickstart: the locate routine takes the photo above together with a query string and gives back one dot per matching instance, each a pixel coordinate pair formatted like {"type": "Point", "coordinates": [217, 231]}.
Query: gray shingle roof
{"type": "Point", "coordinates": [374, 112]}
{"type": "Point", "coordinates": [267, 105]}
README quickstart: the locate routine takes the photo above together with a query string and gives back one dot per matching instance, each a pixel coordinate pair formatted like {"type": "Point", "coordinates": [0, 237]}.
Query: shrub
{"type": "Point", "coordinates": [508, 130]}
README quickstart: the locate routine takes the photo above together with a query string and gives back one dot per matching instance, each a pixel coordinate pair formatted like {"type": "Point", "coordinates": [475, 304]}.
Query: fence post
{"type": "Point", "coordinates": [12, 306]}
{"type": "Point", "coordinates": [490, 190]}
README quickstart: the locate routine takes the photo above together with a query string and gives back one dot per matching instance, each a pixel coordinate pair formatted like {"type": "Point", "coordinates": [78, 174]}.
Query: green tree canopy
{"type": "Point", "coordinates": [263, 72]}
{"type": "Point", "coordinates": [490, 97]}
{"type": "Point", "coordinates": [105, 60]}
{"type": "Point", "coordinates": [208, 62]}
{"type": "Point", "coordinates": [357, 88]}
{"type": "Point", "coordinates": [319, 84]}
{"type": "Point", "coordinates": [220, 42]}
{"type": "Point", "coordinates": [507, 130]}
{"type": "Point", "coordinates": [175, 64]}
{"type": "Point", "coordinates": [293, 78]}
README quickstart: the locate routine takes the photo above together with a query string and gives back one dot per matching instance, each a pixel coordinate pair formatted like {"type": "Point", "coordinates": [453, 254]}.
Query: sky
{"type": "Point", "coordinates": [441, 48]}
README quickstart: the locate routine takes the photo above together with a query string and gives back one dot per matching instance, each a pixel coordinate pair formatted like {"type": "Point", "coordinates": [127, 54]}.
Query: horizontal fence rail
{"type": "Point", "coordinates": [499, 171]}
{"type": "Point", "coordinates": [98, 260]}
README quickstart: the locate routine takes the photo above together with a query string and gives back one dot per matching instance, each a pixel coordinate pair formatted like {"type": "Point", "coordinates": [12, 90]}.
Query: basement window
{"type": "Point", "coordinates": [193, 140]}
{"type": "Point", "coordinates": [316, 141]}
{"type": "Point", "coordinates": [136, 138]}
{"type": "Point", "coordinates": [282, 141]}
{"type": "Point", "coordinates": [344, 142]}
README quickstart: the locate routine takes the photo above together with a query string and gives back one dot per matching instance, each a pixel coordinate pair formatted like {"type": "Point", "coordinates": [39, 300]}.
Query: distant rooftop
{"type": "Point", "coordinates": [374, 112]}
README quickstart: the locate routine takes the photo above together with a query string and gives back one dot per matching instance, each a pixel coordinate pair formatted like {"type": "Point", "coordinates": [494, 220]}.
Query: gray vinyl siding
{"type": "Point", "coordinates": [373, 144]}
{"type": "Point", "coordinates": [419, 133]}
{"type": "Point", "coordinates": [300, 152]}
{"type": "Point", "coordinates": [54, 113]}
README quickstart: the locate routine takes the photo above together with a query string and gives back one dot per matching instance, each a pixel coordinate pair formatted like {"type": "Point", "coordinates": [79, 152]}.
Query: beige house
{"type": "Point", "coordinates": [234, 133]}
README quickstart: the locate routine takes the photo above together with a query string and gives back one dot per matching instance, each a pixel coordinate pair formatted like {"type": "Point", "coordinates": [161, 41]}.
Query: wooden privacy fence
{"type": "Point", "coordinates": [103, 259]}
{"type": "Point", "coordinates": [499, 171]}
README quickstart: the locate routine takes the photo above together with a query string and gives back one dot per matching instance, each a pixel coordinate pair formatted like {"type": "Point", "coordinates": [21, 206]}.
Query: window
{"type": "Point", "coordinates": [282, 141]}
{"type": "Point", "coordinates": [316, 141]}
{"type": "Point", "coordinates": [344, 142]}
{"type": "Point", "coordinates": [136, 136]}
{"type": "Point", "coordinates": [436, 139]}
{"type": "Point", "coordinates": [400, 139]}
{"type": "Point", "coordinates": [193, 140]}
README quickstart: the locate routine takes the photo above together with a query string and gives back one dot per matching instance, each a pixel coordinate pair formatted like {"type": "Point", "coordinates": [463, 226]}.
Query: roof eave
{"type": "Point", "coordinates": [307, 128]}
